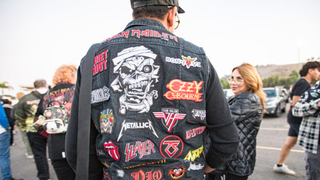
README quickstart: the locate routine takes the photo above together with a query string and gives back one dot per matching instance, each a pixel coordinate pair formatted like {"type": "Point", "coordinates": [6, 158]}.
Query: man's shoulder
{"type": "Point", "coordinates": [190, 46]}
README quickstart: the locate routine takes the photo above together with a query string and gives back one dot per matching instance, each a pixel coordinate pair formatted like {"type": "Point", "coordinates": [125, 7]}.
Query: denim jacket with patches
{"type": "Point", "coordinates": [154, 98]}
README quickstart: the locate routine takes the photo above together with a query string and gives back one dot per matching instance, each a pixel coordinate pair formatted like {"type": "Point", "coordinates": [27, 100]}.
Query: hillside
{"type": "Point", "coordinates": [283, 70]}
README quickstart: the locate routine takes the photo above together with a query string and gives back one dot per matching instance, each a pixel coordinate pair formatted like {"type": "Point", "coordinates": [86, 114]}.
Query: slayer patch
{"type": "Point", "coordinates": [136, 76]}
{"type": "Point", "coordinates": [177, 172]}
{"type": "Point", "coordinates": [140, 149]}
{"type": "Point", "coordinates": [112, 150]}
{"type": "Point", "coordinates": [169, 117]}
{"type": "Point", "coordinates": [106, 121]}
{"type": "Point", "coordinates": [171, 147]}
{"type": "Point", "coordinates": [181, 90]}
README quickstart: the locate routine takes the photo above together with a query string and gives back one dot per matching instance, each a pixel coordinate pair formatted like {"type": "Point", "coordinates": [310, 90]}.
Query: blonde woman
{"type": "Point", "coordinates": [247, 106]}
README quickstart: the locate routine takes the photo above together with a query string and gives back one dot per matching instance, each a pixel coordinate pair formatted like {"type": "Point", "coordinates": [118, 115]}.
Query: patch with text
{"type": "Point", "coordinates": [198, 113]}
{"type": "Point", "coordinates": [148, 175]}
{"type": "Point", "coordinates": [100, 63]}
{"type": "Point", "coordinates": [194, 132]}
{"type": "Point", "coordinates": [181, 90]}
{"type": "Point", "coordinates": [192, 155]}
{"type": "Point", "coordinates": [169, 117]}
{"type": "Point", "coordinates": [140, 149]}
{"type": "Point", "coordinates": [100, 95]}
{"type": "Point", "coordinates": [125, 126]}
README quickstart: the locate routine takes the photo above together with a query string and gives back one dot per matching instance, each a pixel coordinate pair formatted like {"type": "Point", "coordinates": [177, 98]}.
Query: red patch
{"type": "Point", "coordinates": [171, 147]}
{"type": "Point", "coordinates": [112, 150]}
{"type": "Point", "coordinates": [149, 175]}
{"type": "Point", "coordinates": [177, 172]}
{"type": "Point", "coordinates": [180, 90]}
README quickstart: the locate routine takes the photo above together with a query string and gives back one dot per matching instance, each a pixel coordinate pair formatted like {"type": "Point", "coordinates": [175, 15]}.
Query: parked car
{"type": "Point", "coordinates": [276, 103]}
{"type": "Point", "coordinates": [286, 95]}
{"type": "Point", "coordinates": [228, 93]}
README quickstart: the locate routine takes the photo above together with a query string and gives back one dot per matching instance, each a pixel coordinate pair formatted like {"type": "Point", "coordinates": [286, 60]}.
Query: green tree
{"type": "Point", "coordinates": [5, 86]}
{"type": "Point", "coordinates": [225, 84]}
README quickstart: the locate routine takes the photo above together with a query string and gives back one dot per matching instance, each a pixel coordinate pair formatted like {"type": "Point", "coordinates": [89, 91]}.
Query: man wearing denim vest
{"type": "Point", "coordinates": [154, 98]}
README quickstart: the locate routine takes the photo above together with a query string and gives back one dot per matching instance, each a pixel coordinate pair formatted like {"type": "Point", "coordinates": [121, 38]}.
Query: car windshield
{"type": "Point", "coordinates": [270, 92]}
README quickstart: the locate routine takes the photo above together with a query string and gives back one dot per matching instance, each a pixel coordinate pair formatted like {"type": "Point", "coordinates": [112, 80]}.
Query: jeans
{"type": "Point", "coordinates": [38, 145]}
{"type": "Point", "coordinates": [312, 165]}
{"type": "Point", "coordinates": [63, 169]}
{"type": "Point", "coordinates": [5, 155]}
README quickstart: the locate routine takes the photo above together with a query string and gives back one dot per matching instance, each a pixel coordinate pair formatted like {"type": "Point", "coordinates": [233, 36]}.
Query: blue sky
{"type": "Point", "coordinates": [37, 36]}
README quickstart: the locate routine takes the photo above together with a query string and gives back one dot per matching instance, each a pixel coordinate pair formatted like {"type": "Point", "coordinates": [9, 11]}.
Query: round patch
{"type": "Point", "coordinates": [171, 147]}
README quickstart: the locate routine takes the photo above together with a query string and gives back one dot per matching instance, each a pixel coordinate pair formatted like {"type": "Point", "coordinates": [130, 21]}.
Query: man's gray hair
{"type": "Point", "coordinates": [40, 83]}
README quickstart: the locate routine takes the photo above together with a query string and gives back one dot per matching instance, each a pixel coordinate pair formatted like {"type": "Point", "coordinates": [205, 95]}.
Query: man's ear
{"type": "Point", "coordinates": [171, 16]}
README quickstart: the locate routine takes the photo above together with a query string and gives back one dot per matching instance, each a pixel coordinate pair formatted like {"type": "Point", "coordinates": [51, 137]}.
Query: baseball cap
{"type": "Point", "coordinates": [142, 3]}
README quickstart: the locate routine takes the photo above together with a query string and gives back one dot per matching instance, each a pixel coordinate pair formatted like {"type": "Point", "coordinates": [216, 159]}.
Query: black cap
{"type": "Point", "coordinates": [142, 3]}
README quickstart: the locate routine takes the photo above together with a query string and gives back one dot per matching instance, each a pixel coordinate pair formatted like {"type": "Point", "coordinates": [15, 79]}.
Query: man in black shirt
{"type": "Point", "coordinates": [309, 72]}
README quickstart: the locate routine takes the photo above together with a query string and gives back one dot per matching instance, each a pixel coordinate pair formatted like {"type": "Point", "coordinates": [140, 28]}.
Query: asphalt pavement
{"type": "Point", "coordinates": [272, 134]}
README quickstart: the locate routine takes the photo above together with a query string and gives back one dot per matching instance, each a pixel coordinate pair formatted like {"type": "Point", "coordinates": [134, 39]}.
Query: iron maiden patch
{"type": "Point", "coordinates": [171, 147]}
{"type": "Point", "coordinates": [106, 121]}
{"type": "Point", "coordinates": [100, 95]}
{"type": "Point", "coordinates": [136, 76]}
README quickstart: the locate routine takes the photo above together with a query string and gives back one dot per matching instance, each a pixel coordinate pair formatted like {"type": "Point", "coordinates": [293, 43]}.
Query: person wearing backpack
{"type": "Point", "coordinates": [57, 100]}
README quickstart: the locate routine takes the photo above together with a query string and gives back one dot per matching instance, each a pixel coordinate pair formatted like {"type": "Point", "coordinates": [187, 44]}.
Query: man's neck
{"type": "Point", "coordinates": [307, 78]}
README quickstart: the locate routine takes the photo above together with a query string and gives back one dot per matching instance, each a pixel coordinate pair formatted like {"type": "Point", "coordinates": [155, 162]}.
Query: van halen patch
{"type": "Point", "coordinates": [171, 147]}
{"type": "Point", "coordinates": [177, 172]}
{"type": "Point", "coordinates": [192, 155]}
{"type": "Point", "coordinates": [112, 150]}
{"type": "Point", "coordinates": [148, 175]}
{"type": "Point", "coordinates": [140, 149]}
{"type": "Point", "coordinates": [169, 117]}
{"type": "Point", "coordinates": [106, 121]}
{"type": "Point", "coordinates": [136, 76]}
{"type": "Point", "coordinates": [185, 61]}
{"type": "Point", "coordinates": [198, 113]}
{"type": "Point", "coordinates": [194, 132]}
{"type": "Point", "coordinates": [125, 126]}
{"type": "Point", "coordinates": [100, 63]}
{"type": "Point", "coordinates": [181, 90]}
{"type": "Point", "coordinates": [99, 95]}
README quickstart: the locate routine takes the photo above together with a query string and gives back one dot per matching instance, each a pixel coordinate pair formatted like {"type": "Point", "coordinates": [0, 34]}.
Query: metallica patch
{"type": "Point", "coordinates": [106, 121]}
{"type": "Point", "coordinates": [136, 76]}
{"type": "Point", "coordinates": [169, 117]}
{"type": "Point", "coordinates": [125, 126]}
{"type": "Point", "coordinates": [99, 95]}
{"type": "Point", "coordinates": [171, 147]}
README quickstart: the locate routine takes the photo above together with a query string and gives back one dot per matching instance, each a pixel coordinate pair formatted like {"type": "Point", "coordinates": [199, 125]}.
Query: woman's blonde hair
{"type": "Point", "coordinates": [253, 80]}
{"type": "Point", "coordinates": [63, 74]}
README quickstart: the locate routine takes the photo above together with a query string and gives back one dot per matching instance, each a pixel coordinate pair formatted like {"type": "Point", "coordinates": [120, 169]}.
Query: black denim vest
{"type": "Point", "coordinates": [148, 104]}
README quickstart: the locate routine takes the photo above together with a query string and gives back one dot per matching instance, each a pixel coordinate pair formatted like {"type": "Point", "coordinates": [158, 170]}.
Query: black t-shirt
{"type": "Point", "coordinates": [298, 89]}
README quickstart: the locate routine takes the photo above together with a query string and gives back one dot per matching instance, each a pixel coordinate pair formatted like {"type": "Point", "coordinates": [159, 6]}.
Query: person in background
{"type": "Point", "coordinates": [246, 106]}
{"type": "Point", "coordinates": [5, 146]}
{"type": "Point", "coordinates": [63, 80]}
{"type": "Point", "coordinates": [22, 129]}
{"type": "Point", "coordinates": [24, 113]}
{"type": "Point", "coordinates": [309, 72]}
{"type": "Point", "coordinates": [308, 107]}
{"type": "Point", "coordinates": [8, 108]}
{"type": "Point", "coordinates": [154, 96]}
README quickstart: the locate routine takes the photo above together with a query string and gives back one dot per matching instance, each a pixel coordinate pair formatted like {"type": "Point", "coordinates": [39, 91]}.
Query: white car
{"type": "Point", "coordinates": [228, 93]}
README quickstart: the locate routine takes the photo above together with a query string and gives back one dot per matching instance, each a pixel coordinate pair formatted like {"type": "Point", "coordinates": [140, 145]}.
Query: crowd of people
{"type": "Point", "coordinates": [157, 110]}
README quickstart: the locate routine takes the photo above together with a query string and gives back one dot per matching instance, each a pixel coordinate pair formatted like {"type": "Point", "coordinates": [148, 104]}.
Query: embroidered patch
{"type": "Point", "coordinates": [99, 95]}
{"type": "Point", "coordinates": [100, 63]}
{"type": "Point", "coordinates": [177, 172]}
{"type": "Point", "coordinates": [140, 149]}
{"type": "Point", "coordinates": [125, 126]}
{"type": "Point", "coordinates": [180, 90]}
{"type": "Point", "coordinates": [171, 147]}
{"type": "Point", "coordinates": [199, 113]}
{"type": "Point", "coordinates": [192, 155]}
{"type": "Point", "coordinates": [195, 167]}
{"type": "Point", "coordinates": [194, 132]}
{"type": "Point", "coordinates": [169, 117]}
{"type": "Point", "coordinates": [164, 161]}
{"type": "Point", "coordinates": [185, 61]}
{"type": "Point", "coordinates": [136, 76]}
{"type": "Point", "coordinates": [106, 121]}
{"type": "Point", "coordinates": [112, 150]}
{"type": "Point", "coordinates": [149, 175]}
{"type": "Point", "coordinates": [106, 176]}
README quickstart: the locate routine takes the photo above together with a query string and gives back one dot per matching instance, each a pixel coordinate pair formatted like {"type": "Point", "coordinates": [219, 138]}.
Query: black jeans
{"type": "Point", "coordinates": [38, 145]}
{"type": "Point", "coordinates": [63, 169]}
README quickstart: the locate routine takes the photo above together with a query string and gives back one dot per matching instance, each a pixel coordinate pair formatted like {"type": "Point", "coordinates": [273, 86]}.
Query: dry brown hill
{"type": "Point", "coordinates": [283, 70]}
